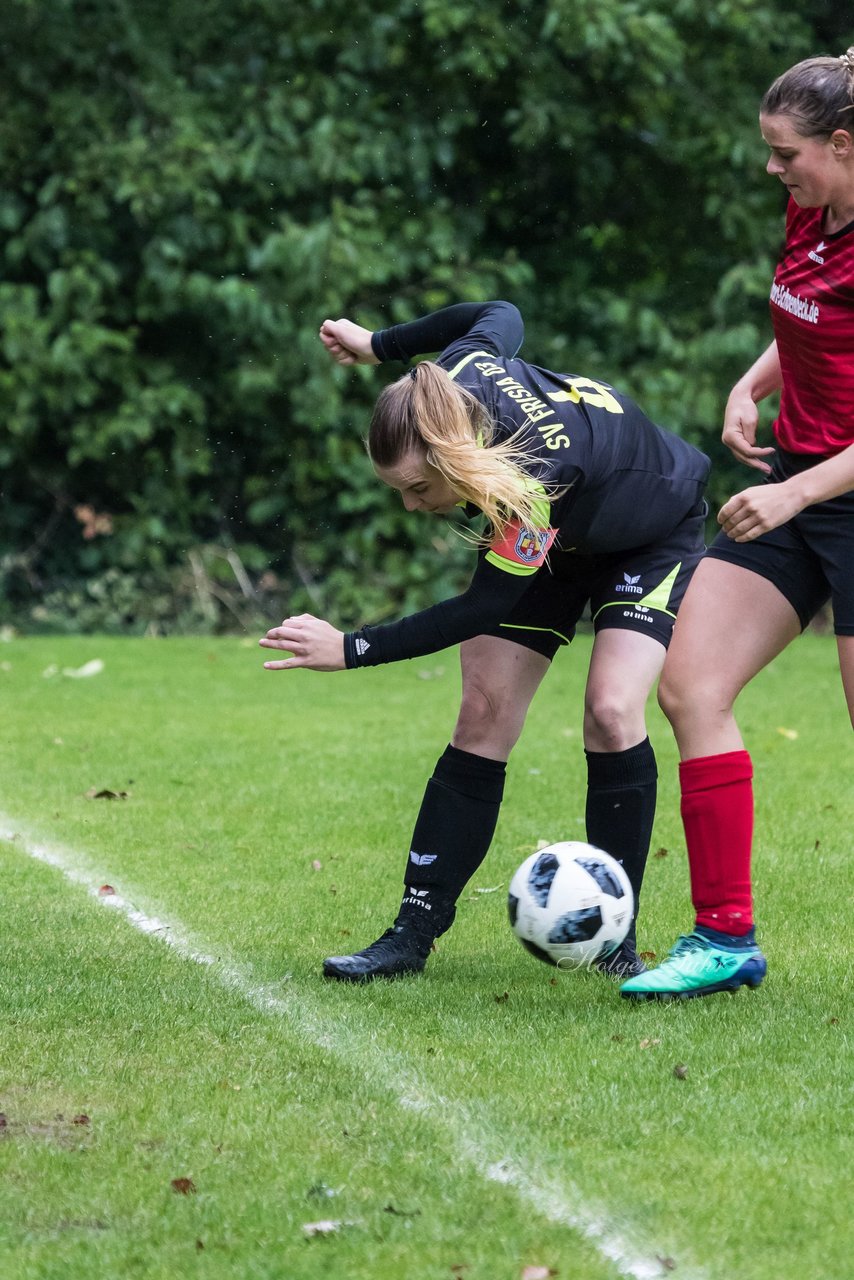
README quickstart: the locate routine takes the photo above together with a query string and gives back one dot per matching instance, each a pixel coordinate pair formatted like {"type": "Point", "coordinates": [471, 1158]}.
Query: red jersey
{"type": "Point", "coordinates": [812, 310]}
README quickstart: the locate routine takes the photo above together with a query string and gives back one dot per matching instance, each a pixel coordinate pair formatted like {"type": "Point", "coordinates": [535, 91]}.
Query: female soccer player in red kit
{"type": "Point", "coordinates": [786, 546]}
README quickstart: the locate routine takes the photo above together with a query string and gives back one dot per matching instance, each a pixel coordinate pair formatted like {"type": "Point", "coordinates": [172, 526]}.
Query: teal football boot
{"type": "Point", "coordinates": [698, 967]}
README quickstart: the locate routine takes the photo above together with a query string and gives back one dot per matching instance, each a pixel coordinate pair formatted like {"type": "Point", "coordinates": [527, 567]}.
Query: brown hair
{"type": "Point", "coordinates": [427, 412]}
{"type": "Point", "coordinates": [818, 94]}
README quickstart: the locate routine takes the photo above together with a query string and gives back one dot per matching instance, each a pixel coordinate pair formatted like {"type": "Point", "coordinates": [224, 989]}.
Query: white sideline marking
{"type": "Point", "coordinates": [477, 1145]}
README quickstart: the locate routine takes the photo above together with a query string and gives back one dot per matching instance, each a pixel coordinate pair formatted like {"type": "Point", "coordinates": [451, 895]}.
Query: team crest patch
{"type": "Point", "coordinates": [529, 545]}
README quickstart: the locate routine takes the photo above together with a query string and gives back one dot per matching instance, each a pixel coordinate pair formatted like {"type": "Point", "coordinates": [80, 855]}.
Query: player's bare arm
{"type": "Point", "coordinates": [741, 419]}
{"type": "Point", "coordinates": [757, 510]}
{"type": "Point", "coordinates": [764, 507]}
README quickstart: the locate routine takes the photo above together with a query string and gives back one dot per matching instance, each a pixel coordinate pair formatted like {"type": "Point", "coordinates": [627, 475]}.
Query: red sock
{"type": "Point", "coordinates": [717, 813]}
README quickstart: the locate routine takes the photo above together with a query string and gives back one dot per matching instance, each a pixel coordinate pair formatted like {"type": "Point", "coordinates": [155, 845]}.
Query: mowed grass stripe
{"type": "Point", "coordinates": [483, 1146]}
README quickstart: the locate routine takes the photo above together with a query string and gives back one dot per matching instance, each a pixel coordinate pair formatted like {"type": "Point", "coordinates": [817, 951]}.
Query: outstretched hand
{"type": "Point", "coordinates": [311, 642]}
{"type": "Point", "coordinates": [347, 343]}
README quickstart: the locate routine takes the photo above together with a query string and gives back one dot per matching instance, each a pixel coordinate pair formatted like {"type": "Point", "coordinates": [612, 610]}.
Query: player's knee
{"type": "Point", "coordinates": [685, 701]}
{"type": "Point", "coordinates": [486, 722]}
{"type": "Point", "coordinates": [612, 722]}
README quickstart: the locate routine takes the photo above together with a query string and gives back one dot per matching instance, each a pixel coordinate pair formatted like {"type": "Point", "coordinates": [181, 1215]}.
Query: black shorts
{"type": "Point", "coordinates": [637, 590]}
{"type": "Point", "coordinates": [810, 559]}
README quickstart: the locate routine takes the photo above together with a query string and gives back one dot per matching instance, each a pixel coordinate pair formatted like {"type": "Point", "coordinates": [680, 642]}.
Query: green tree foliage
{"type": "Point", "coordinates": [190, 187]}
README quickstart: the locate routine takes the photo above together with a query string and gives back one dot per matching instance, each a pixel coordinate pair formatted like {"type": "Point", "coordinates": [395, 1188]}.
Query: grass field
{"type": "Point", "coordinates": [183, 1096]}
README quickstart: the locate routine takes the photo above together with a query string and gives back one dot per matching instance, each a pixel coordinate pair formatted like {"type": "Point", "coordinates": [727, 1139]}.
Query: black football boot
{"type": "Point", "coordinates": [402, 949]}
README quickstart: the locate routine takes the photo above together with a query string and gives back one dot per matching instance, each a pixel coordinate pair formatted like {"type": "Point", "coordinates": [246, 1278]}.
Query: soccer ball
{"type": "Point", "coordinates": [570, 904]}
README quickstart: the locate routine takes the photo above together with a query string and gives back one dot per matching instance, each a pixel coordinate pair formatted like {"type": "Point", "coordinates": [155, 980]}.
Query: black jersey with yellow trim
{"type": "Point", "coordinates": [621, 481]}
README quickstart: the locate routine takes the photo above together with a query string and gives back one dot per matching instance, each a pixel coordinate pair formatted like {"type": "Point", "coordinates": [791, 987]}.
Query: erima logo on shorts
{"type": "Point", "coordinates": [630, 585]}
{"type": "Point", "coordinates": [422, 859]}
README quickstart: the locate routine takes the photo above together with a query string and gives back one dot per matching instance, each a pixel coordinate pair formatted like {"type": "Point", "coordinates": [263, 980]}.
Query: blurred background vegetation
{"type": "Point", "coordinates": [189, 187]}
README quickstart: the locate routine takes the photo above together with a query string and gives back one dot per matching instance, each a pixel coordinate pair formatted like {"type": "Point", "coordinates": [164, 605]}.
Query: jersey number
{"type": "Point", "coordinates": [593, 393]}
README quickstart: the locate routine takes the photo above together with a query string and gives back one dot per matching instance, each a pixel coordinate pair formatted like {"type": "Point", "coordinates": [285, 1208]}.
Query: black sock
{"type": "Point", "coordinates": [452, 834]}
{"type": "Point", "coordinates": [621, 794]}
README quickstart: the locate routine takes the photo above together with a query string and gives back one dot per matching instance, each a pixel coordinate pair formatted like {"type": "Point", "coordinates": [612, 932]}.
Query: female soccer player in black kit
{"type": "Point", "coordinates": [588, 503]}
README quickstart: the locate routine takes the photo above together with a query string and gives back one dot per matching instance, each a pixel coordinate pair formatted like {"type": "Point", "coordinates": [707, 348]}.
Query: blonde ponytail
{"type": "Point", "coordinates": [425, 411]}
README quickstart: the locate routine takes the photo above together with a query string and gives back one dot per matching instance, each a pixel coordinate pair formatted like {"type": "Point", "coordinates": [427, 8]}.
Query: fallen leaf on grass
{"type": "Point", "coordinates": [503, 998]}
{"type": "Point", "coordinates": [538, 1273]}
{"type": "Point", "coordinates": [647, 955]}
{"type": "Point", "coordinates": [81, 1119]}
{"type": "Point", "coordinates": [401, 1213]}
{"type": "Point", "coordinates": [669, 1264]}
{"type": "Point", "coordinates": [680, 1071]}
{"type": "Point", "coordinates": [104, 793]}
{"type": "Point", "coordinates": [661, 853]}
{"type": "Point", "coordinates": [93, 668]}
{"type": "Point", "coordinates": [107, 891]}
{"type": "Point", "coordinates": [326, 1227]}
{"type": "Point", "coordinates": [183, 1186]}
{"type": "Point", "coordinates": [648, 1042]}
{"type": "Point", "coordinates": [317, 865]}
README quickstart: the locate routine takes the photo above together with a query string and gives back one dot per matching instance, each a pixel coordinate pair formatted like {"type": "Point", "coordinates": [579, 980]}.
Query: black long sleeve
{"type": "Point", "coordinates": [487, 600]}
{"type": "Point", "coordinates": [491, 326]}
